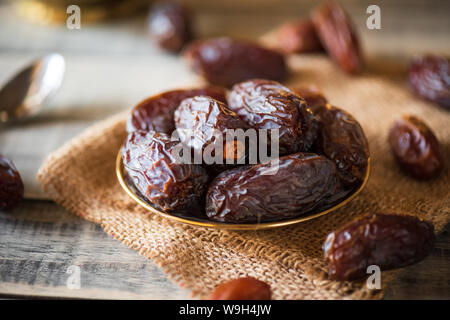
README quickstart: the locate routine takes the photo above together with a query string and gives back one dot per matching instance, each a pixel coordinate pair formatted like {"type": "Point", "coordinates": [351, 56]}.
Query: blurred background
{"type": "Point", "coordinates": [112, 64]}
{"type": "Point", "coordinates": [403, 21]}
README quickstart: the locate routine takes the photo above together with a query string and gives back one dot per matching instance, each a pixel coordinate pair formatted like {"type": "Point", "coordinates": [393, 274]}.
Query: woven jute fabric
{"type": "Point", "coordinates": [81, 177]}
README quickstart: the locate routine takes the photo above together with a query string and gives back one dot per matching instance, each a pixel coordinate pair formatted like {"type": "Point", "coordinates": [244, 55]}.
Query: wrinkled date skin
{"type": "Point", "coordinates": [265, 104]}
{"type": "Point", "coordinates": [242, 289]}
{"type": "Point", "coordinates": [11, 185]}
{"type": "Point", "coordinates": [337, 34]}
{"type": "Point", "coordinates": [156, 112]}
{"type": "Point", "coordinates": [387, 240]}
{"type": "Point", "coordinates": [202, 121]}
{"type": "Point", "coordinates": [165, 182]}
{"type": "Point", "coordinates": [416, 148]}
{"type": "Point", "coordinates": [258, 193]}
{"type": "Point", "coordinates": [312, 95]}
{"type": "Point", "coordinates": [342, 140]}
{"type": "Point", "coordinates": [430, 78]}
{"type": "Point", "coordinates": [169, 25]}
{"type": "Point", "coordinates": [298, 37]}
{"type": "Point", "coordinates": [224, 62]}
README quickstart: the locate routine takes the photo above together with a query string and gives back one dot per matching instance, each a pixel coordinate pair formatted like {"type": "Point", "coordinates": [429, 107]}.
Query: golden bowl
{"type": "Point", "coordinates": [136, 196]}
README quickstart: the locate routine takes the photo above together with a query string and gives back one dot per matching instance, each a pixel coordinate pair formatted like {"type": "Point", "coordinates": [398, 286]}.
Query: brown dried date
{"type": "Point", "coordinates": [203, 122]}
{"type": "Point", "coordinates": [265, 104]}
{"type": "Point", "coordinates": [386, 240]}
{"type": "Point", "coordinates": [312, 95]}
{"type": "Point", "coordinates": [158, 175]}
{"type": "Point", "coordinates": [429, 76]}
{"type": "Point", "coordinates": [265, 192]}
{"type": "Point", "coordinates": [298, 37]}
{"type": "Point", "coordinates": [342, 140]}
{"type": "Point", "coordinates": [223, 61]}
{"type": "Point", "coordinates": [156, 112]}
{"type": "Point", "coordinates": [242, 289]}
{"type": "Point", "coordinates": [416, 148]}
{"type": "Point", "coordinates": [337, 34]}
{"type": "Point", "coordinates": [11, 185]}
{"type": "Point", "coordinates": [169, 25]}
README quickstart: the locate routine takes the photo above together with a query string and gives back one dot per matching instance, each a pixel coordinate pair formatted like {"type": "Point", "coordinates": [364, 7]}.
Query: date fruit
{"type": "Point", "coordinates": [203, 122]}
{"type": "Point", "coordinates": [166, 182]}
{"type": "Point", "coordinates": [342, 140]}
{"type": "Point", "coordinates": [312, 95]}
{"type": "Point", "coordinates": [337, 34]}
{"type": "Point", "coordinates": [224, 61]}
{"type": "Point", "coordinates": [429, 76]}
{"type": "Point", "coordinates": [247, 288]}
{"type": "Point", "coordinates": [11, 185]}
{"type": "Point", "coordinates": [298, 37]}
{"type": "Point", "coordinates": [265, 104]}
{"type": "Point", "coordinates": [416, 148]}
{"type": "Point", "coordinates": [169, 25]}
{"type": "Point", "coordinates": [387, 240]}
{"type": "Point", "coordinates": [266, 192]}
{"type": "Point", "coordinates": [156, 112]}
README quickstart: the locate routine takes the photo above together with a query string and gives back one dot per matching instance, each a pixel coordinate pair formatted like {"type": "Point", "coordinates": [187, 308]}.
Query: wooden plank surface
{"type": "Point", "coordinates": [40, 241]}
{"type": "Point", "coordinates": [110, 67]}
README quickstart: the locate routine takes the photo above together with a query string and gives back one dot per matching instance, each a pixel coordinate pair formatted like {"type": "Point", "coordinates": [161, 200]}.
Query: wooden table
{"type": "Point", "coordinates": [112, 66]}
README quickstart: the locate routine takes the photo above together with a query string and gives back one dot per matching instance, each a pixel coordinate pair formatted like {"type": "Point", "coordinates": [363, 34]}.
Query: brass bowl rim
{"type": "Point", "coordinates": [232, 226]}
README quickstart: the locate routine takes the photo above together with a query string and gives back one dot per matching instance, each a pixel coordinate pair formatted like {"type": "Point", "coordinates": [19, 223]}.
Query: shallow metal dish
{"type": "Point", "coordinates": [136, 196]}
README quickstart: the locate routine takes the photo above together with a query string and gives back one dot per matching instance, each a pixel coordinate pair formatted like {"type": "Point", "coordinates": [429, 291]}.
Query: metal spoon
{"type": "Point", "coordinates": [24, 95]}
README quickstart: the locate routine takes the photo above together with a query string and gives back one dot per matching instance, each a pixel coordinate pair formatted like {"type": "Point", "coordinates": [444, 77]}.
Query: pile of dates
{"type": "Point", "coordinates": [328, 28]}
{"type": "Point", "coordinates": [320, 154]}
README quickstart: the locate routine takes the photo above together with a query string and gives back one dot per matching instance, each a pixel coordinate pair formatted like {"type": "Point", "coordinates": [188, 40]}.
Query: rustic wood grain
{"type": "Point", "coordinates": [40, 240]}
{"type": "Point", "coordinates": [112, 66]}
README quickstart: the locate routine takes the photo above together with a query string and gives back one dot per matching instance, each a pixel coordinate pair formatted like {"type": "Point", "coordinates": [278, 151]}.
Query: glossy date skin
{"type": "Point", "coordinates": [429, 76]}
{"type": "Point", "coordinates": [247, 288]}
{"type": "Point", "coordinates": [169, 25]}
{"type": "Point", "coordinates": [342, 140]}
{"type": "Point", "coordinates": [202, 121]}
{"type": "Point", "coordinates": [11, 185]}
{"type": "Point", "coordinates": [224, 61]}
{"type": "Point", "coordinates": [265, 104]}
{"type": "Point", "coordinates": [416, 148]}
{"type": "Point", "coordinates": [156, 173]}
{"type": "Point", "coordinates": [252, 194]}
{"type": "Point", "coordinates": [156, 112]}
{"type": "Point", "coordinates": [338, 36]}
{"type": "Point", "coordinates": [387, 240]}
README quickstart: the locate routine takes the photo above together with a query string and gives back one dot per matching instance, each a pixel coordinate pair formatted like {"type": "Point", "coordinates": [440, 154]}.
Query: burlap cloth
{"type": "Point", "coordinates": [81, 177]}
